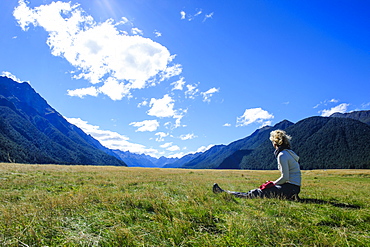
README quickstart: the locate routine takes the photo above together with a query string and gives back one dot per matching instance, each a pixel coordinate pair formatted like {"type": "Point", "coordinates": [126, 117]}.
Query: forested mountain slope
{"type": "Point", "coordinates": [31, 131]}
{"type": "Point", "coordinates": [321, 142]}
{"type": "Point", "coordinates": [215, 158]}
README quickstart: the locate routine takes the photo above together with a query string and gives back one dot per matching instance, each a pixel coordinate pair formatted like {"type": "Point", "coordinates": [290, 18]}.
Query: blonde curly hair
{"type": "Point", "coordinates": [280, 138]}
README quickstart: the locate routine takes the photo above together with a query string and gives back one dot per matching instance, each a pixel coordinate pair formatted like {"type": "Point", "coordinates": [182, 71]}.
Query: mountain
{"type": "Point", "coordinates": [142, 160]}
{"type": "Point", "coordinates": [363, 116]}
{"type": "Point", "coordinates": [321, 143]}
{"type": "Point", "coordinates": [31, 131]}
{"type": "Point", "coordinates": [134, 160]}
{"type": "Point", "coordinates": [163, 161]}
{"type": "Point", "coordinates": [216, 157]}
{"type": "Point", "coordinates": [183, 160]}
{"type": "Point", "coordinates": [200, 160]}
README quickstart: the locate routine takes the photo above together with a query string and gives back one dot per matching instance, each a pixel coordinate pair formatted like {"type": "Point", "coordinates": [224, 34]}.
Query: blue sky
{"type": "Point", "coordinates": [174, 77]}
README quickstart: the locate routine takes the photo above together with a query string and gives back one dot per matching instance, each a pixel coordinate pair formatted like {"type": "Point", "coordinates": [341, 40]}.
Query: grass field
{"type": "Point", "coordinates": [49, 205]}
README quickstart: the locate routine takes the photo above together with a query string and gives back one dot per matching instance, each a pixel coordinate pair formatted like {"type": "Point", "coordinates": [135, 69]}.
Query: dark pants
{"type": "Point", "coordinates": [284, 191]}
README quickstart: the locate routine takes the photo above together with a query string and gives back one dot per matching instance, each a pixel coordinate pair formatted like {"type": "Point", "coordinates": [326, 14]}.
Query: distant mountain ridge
{"type": "Point", "coordinates": [363, 116]}
{"type": "Point", "coordinates": [143, 160]}
{"type": "Point", "coordinates": [31, 131]}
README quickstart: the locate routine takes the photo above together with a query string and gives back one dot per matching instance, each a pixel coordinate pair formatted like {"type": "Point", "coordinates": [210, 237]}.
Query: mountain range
{"type": "Point", "coordinates": [31, 131]}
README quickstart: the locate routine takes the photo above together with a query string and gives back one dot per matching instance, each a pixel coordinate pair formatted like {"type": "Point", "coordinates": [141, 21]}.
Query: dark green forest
{"type": "Point", "coordinates": [31, 131]}
{"type": "Point", "coordinates": [321, 143]}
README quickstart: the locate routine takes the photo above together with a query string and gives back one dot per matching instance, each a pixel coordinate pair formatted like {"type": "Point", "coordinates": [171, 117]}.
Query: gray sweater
{"type": "Point", "coordinates": [289, 167]}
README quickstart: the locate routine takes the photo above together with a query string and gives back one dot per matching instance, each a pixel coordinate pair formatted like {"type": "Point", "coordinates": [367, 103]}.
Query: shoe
{"type": "Point", "coordinates": [217, 189]}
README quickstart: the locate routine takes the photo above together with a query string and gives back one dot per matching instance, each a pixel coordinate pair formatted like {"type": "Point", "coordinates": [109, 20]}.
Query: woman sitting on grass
{"type": "Point", "coordinates": [288, 185]}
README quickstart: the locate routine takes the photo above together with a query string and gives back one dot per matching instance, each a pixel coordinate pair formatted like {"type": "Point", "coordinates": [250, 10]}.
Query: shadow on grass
{"type": "Point", "coordinates": [335, 204]}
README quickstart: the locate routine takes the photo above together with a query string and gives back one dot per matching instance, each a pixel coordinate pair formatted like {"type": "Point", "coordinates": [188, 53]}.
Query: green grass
{"type": "Point", "coordinates": [48, 205]}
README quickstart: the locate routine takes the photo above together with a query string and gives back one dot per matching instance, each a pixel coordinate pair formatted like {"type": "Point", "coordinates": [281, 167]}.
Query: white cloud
{"type": "Point", "coordinates": [326, 102]}
{"type": "Point", "coordinates": [183, 15]}
{"type": "Point", "coordinates": [99, 51]}
{"type": "Point", "coordinates": [11, 76]}
{"type": "Point", "coordinates": [227, 125]}
{"type": "Point", "coordinates": [143, 103]}
{"type": "Point", "coordinates": [170, 71]}
{"type": "Point", "coordinates": [179, 85]}
{"type": "Point", "coordinates": [342, 108]}
{"type": "Point", "coordinates": [110, 139]}
{"type": "Point", "coordinates": [187, 137]}
{"type": "Point", "coordinates": [81, 92]}
{"type": "Point", "coordinates": [161, 136]}
{"type": "Point", "coordinates": [198, 13]}
{"type": "Point", "coordinates": [208, 94]}
{"type": "Point", "coordinates": [157, 33]}
{"type": "Point", "coordinates": [210, 15]}
{"type": "Point", "coordinates": [191, 17]}
{"type": "Point", "coordinates": [192, 91]}
{"type": "Point", "coordinates": [365, 105]}
{"type": "Point", "coordinates": [146, 125]}
{"type": "Point", "coordinates": [162, 107]}
{"type": "Point", "coordinates": [168, 146]}
{"type": "Point", "coordinates": [202, 149]}
{"type": "Point", "coordinates": [177, 155]}
{"type": "Point", "coordinates": [254, 115]}
{"type": "Point", "coordinates": [173, 148]}
{"type": "Point", "coordinates": [136, 31]}
{"type": "Point", "coordinates": [114, 89]}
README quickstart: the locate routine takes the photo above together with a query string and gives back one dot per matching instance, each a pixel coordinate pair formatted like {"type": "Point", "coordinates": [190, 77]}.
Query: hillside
{"type": "Point", "coordinates": [363, 116]}
{"type": "Point", "coordinates": [31, 131]}
{"type": "Point", "coordinates": [321, 143]}
{"type": "Point", "coordinates": [216, 157]}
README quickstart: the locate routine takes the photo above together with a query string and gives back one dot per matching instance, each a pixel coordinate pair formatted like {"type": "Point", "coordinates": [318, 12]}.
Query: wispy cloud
{"type": "Point", "coordinates": [11, 76]}
{"type": "Point", "coordinates": [208, 94]}
{"type": "Point", "coordinates": [342, 108]}
{"type": "Point", "coordinates": [136, 31]}
{"type": "Point", "coordinates": [191, 91]}
{"type": "Point", "coordinates": [187, 137]}
{"type": "Point", "coordinates": [210, 15]}
{"type": "Point", "coordinates": [365, 105]}
{"type": "Point", "coordinates": [198, 12]}
{"type": "Point", "coordinates": [110, 139]}
{"type": "Point", "coordinates": [99, 51]}
{"type": "Point", "coordinates": [178, 85]}
{"type": "Point", "coordinates": [183, 15]}
{"type": "Point", "coordinates": [204, 148]}
{"type": "Point", "coordinates": [157, 33]}
{"type": "Point", "coordinates": [254, 115]}
{"type": "Point", "coordinates": [161, 136]}
{"type": "Point", "coordinates": [170, 147]}
{"type": "Point", "coordinates": [146, 125]}
{"type": "Point", "coordinates": [82, 92]}
{"type": "Point", "coordinates": [326, 102]}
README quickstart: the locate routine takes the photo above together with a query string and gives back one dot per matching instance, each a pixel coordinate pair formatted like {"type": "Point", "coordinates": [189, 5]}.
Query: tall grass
{"type": "Point", "coordinates": [49, 205]}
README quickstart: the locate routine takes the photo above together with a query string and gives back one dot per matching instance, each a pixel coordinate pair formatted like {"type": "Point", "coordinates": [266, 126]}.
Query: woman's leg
{"type": "Point", "coordinates": [286, 191]}
{"type": "Point", "coordinates": [250, 194]}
